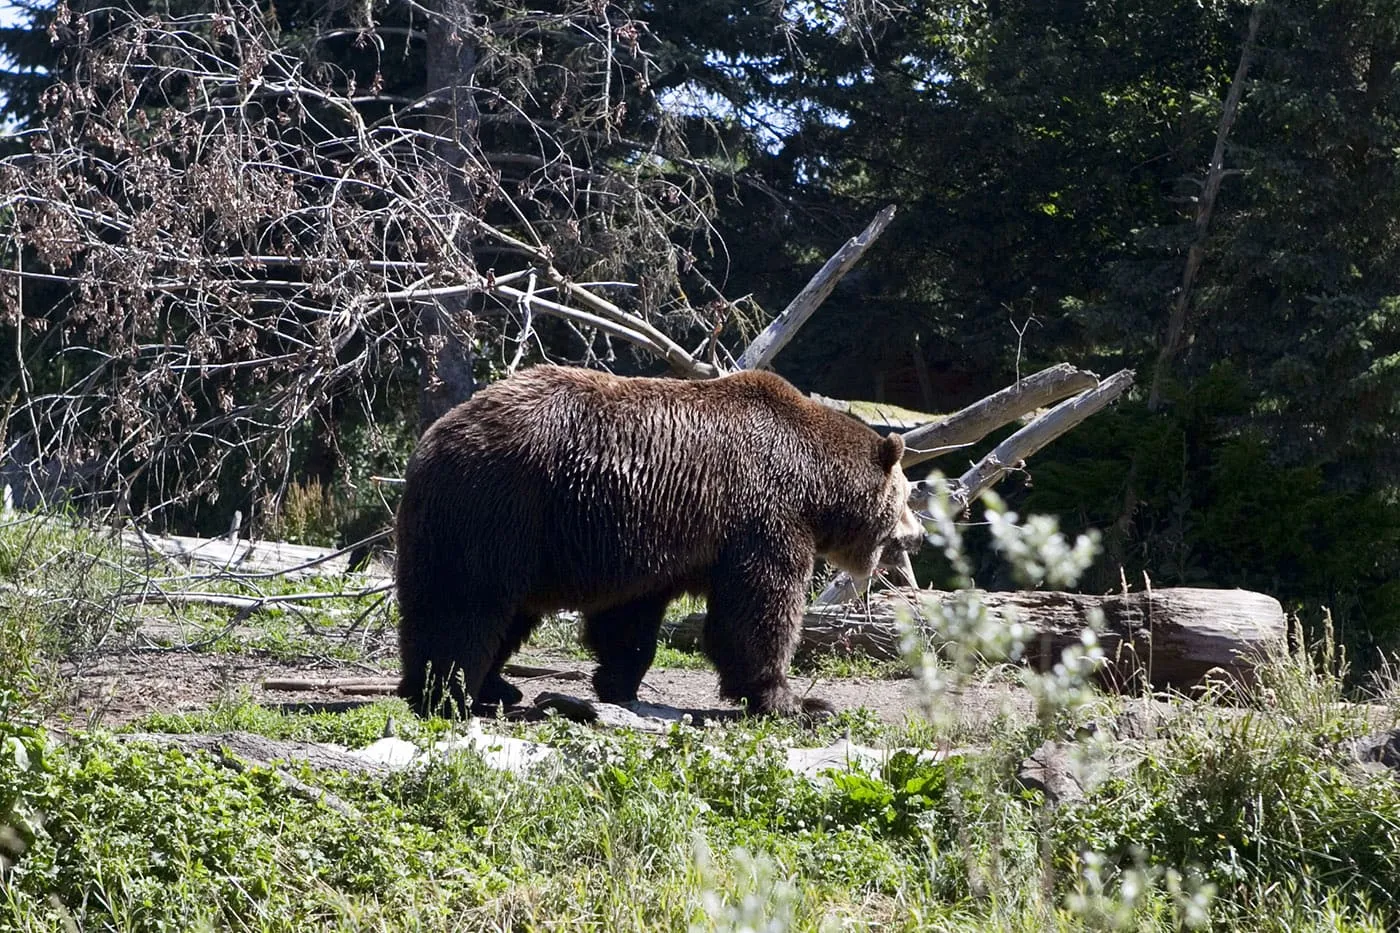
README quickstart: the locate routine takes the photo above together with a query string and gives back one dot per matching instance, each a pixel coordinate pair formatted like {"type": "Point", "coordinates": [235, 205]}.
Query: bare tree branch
{"type": "Point", "coordinates": [218, 236]}
{"type": "Point", "coordinates": [1010, 454]}
{"type": "Point", "coordinates": [981, 418]}
{"type": "Point", "coordinates": [1176, 323]}
{"type": "Point", "coordinates": [776, 336]}
{"type": "Point", "coordinates": [1056, 422]}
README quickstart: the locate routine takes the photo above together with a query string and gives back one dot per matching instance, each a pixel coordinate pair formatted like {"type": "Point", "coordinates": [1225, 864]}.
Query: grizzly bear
{"type": "Point", "coordinates": [561, 488]}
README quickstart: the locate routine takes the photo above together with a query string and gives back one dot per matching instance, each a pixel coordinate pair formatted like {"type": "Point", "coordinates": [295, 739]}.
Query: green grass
{"type": "Point", "coordinates": [355, 728]}
{"type": "Point", "coordinates": [1244, 806]}
{"type": "Point", "coordinates": [633, 832]}
{"type": "Point", "coordinates": [850, 665]}
{"type": "Point", "coordinates": [457, 846]}
{"type": "Point", "coordinates": [68, 592]}
{"type": "Point", "coordinates": [56, 582]}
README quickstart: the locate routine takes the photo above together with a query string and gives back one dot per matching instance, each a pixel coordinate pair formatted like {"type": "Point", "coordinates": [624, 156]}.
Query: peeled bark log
{"type": "Point", "coordinates": [1167, 638]}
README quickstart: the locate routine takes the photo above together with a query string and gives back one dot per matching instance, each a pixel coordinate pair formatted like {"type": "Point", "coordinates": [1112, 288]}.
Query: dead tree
{"type": "Point", "coordinates": [218, 236]}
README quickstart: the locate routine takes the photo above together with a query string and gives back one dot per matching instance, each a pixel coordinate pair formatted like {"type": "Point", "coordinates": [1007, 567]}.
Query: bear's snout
{"type": "Point", "coordinates": [908, 538]}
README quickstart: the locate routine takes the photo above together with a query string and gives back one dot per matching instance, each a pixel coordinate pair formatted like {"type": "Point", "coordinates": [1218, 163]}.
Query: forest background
{"type": "Point", "coordinates": [1048, 162]}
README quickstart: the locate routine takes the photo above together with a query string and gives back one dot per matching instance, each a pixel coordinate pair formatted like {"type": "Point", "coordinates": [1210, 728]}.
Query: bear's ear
{"type": "Point", "coordinates": [890, 452]}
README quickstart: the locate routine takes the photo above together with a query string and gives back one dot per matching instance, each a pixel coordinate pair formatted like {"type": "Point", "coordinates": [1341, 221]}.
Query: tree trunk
{"type": "Point", "coordinates": [444, 326]}
{"type": "Point", "coordinates": [447, 379]}
{"type": "Point", "coordinates": [1205, 207]}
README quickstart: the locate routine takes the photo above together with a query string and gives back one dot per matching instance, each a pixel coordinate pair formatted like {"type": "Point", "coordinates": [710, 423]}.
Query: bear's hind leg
{"type": "Point", "coordinates": [452, 661]}
{"type": "Point", "coordinates": [428, 672]}
{"type": "Point", "coordinates": [495, 689]}
{"type": "Point", "coordinates": [624, 640]}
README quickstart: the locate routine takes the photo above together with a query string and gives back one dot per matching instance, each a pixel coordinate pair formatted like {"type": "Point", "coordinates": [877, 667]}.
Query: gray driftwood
{"type": "Point", "coordinates": [249, 558]}
{"type": "Point", "coordinates": [239, 751]}
{"type": "Point", "coordinates": [385, 686]}
{"type": "Point", "coordinates": [1168, 637]}
{"type": "Point", "coordinates": [997, 410]}
{"type": "Point", "coordinates": [1052, 424]}
{"type": "Point", "coordinates": [250, 749]}
{"type": "Point", "coordinates": [777, 334]}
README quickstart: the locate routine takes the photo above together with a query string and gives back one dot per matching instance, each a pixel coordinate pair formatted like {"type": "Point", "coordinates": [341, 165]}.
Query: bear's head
{"type": "Point", "coordinates": [882, 530]}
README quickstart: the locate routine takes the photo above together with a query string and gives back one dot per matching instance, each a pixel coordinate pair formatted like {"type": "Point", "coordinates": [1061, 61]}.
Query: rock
{"type": "Point", "coordinates": [501, 752]}
{"type": "Point", "coordinates": [1381, 750]}
{"type": "Point", "coordinates": [1051, 770]}
{"type": "Point", "coordinates": [390, 752]}
{"type": "Point", "coordinates": [1066, 772]}
{"type": "Point", "coordinates": [843, 754]}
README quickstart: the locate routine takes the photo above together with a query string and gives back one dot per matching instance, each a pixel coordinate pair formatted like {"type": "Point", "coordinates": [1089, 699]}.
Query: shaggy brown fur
{"type": "Point", "coordinates": [564, 488]}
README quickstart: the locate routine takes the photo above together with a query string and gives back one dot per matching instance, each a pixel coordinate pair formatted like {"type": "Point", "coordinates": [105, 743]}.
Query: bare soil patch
{"type": "Point", "coordinates": [122, 686]}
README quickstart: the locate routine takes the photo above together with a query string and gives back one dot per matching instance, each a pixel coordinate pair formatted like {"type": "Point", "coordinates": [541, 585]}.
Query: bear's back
{"type": "Point", "coordinates": [586, 482]}
{"type": "Point", "coordinates": [562, 418]}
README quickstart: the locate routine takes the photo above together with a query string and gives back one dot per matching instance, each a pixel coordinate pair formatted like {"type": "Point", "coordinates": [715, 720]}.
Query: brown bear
{"type": "Point", "coordinates": [561, 488]}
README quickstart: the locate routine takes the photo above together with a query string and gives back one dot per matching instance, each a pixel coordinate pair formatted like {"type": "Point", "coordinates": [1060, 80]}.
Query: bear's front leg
{"type": "Point", "coordinates": [753, 623]}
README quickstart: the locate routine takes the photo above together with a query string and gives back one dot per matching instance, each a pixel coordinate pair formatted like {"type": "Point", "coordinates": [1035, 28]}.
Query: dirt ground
{"type": "Point", "coordinates": [125, 685]}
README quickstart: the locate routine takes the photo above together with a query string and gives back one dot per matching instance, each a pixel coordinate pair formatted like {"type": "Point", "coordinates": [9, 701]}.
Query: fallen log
{"type": "Point", "coordinates": [386, 686]}
{"type": "Point", "coordinates": [249, 604]}
{"type": "Point", "coordinates": [1006, 456]}
{"type": "Point", "coordinates": [246, 558]}
{"type": "Point", "coordinates": [1166, 637]}
{"type": "Point", "coordinates": [240, 751]}
{"type": "Point", "coordinates": [355, 686]}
